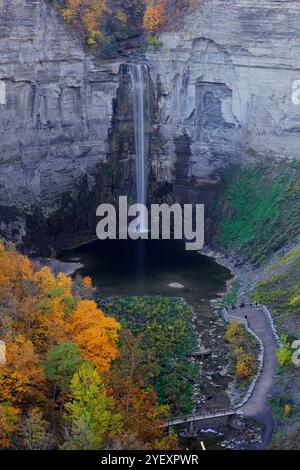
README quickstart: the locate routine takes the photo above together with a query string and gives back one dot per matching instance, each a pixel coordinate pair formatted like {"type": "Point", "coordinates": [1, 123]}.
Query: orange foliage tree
{"type": "Point", "coordinates": [141, 420]}
{"type": "Point", "coordinates": [95, 334]}
{"type": "Point", "coordinates": [87, 282]}
{"type": "Point", "coordinates": [89, 13]}
{"type": "Point", "coordinates": [154, 16]}
{"type": "Point", "coordinates": [22, 378]}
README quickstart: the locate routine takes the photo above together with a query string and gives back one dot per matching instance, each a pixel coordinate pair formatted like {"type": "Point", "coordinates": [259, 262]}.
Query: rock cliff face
{"type": "Point", "coordinates": [221, 96]}
{"type": "Point", "coordinates": [224, 88]}
{"type": "Point", "coordinates": [55, 112]}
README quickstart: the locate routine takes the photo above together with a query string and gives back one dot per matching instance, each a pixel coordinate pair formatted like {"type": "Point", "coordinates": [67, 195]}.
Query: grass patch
{"type": "Point", "coordinates": [281, 293]}
{"type": "Point", "coordinates": [285, 259]}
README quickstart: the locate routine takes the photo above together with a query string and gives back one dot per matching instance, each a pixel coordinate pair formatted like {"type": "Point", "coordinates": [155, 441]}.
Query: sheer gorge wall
{"type": "Point", "coordinates": [220, 96]}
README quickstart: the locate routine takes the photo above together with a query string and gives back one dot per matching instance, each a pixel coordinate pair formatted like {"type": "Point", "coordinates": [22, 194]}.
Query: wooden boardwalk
{"type": "Point", "coordinates": [199, 417]}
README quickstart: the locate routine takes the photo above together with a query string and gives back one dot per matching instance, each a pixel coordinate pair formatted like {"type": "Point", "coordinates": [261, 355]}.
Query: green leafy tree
{"type": "Point", "coordinates": [90, 417]}
{"type": "Point", "coordinates": [61, 364]}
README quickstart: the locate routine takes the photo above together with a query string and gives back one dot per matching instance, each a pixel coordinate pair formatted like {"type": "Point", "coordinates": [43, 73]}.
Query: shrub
{"type": "Point", "coordinates": [153, 41]}
{"type": "Point", "coordinates": [234, 332]}
{"type": "Point", "coordinates": [284, 356]}
{"type": "Point", "coordinates": [241, 345]}
{"type": "Point", "coordinates": [287, 410]}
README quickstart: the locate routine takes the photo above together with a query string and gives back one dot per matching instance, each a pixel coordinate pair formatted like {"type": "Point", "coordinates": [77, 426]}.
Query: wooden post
{"type": "Point", "coordinates": [191, 430]}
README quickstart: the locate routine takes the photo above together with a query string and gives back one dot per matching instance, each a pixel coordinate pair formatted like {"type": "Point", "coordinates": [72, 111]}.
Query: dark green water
{"type": "Point", "coordinates": [138, 267]}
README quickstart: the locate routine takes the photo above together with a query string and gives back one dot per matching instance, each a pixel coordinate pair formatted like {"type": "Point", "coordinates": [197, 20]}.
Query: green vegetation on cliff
{"type": "Point", "coordinates": [106, 24]}
{"type": "Point", "coordinates": [258, 210]}
{"type": "Point", "coordinates": [281, 291]}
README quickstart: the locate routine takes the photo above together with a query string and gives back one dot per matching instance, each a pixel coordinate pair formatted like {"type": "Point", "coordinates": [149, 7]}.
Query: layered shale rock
{"type": "Point", "coordinates": [221, 89]}
{"type": "Point", "coordinates": [224, 92]}
{"type": "Point", "coordinates": [55, 112]}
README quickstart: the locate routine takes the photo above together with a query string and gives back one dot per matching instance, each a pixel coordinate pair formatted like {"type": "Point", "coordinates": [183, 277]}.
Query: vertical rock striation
{"type": "Point", "coordinates": [55, 112]}
{"type": "Point", "coordinates": [224, 87]}
{"type": "Point", "coordinates": [220, 91]}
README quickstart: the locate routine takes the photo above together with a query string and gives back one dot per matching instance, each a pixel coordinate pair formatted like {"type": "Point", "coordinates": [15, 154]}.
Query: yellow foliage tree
{"type": "Point", "coordinates": [287, 409]}
{"type": "Point", "coordinates": [295, 301]}
{"type": "Point", "coordinates": [154, 16]}
{"type": "Point", "coordinates": [244, 366]}
{"type": "Point", "coordinates": [15, 274]}
{"type": "Point", "coordinates": [53, 306]}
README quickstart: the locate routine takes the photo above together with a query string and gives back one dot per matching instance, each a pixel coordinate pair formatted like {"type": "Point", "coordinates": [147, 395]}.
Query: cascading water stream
{"type": "Point", "coordinates": [140, 89]}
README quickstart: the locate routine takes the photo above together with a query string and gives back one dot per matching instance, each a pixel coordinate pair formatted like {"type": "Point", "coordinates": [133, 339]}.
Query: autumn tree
{"type": "Point", "coordinates": [51, 312]}
{"type": "Point", "coordinates": [240, 345]}
{"type": "Point", "coordinates": [142, 418]}
{"type": "Point", "coordinates": [61, 348]}
{"type": "Point", "coordinates": [22, 379]}
{"type": "Point", "coordinates": [136, 401]}
{"type": "Point", "coordinates": [89, 13]}
{"type": "Point", "coordinates": [154, 16]}
{"type": "Point", "coordinates": [35, 303]}
{"type": "Point", "coordinates": [245, 365]}
{"type": "Point", "coordinates": [90, 415]}
{"type": "Point", "coordinates": [9, 417]}
{"type": "Point", "coordinates": [234, 332]}
{"type": "Point", "coordinates": [15, 274]}
{"type": "Point", "coordinates": [35, 432]}
{"type": "Point", "coordinates": [17, 291]}
{"type": "Point", "coordinates": [95, 334]}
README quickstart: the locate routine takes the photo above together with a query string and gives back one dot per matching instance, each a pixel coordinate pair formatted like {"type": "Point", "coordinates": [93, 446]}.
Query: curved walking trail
{"type": "Point", "coordinates": [257, 406]}
{"type": "Point", "coordinates": [259, 321]}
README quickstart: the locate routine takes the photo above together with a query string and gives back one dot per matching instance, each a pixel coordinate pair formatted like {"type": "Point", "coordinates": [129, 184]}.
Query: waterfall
{"type": "Point", "coordinates": [140, 90]}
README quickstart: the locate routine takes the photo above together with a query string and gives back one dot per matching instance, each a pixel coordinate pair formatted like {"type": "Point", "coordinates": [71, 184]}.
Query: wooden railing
{"type": "Point", "coordinates": [199, 416]}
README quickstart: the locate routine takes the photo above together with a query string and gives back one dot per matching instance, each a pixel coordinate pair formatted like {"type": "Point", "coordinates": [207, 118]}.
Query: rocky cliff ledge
{"type": "Point", "coordinates": [221, 89]}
